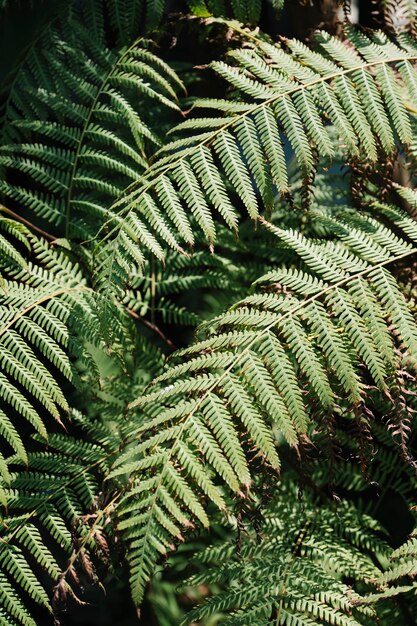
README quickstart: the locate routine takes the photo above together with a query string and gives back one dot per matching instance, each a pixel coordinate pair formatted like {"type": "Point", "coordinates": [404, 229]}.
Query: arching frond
{"type": "Point", "coordinates": [261, 374]}
{"type": "Point", "coordinates": [74, 135]}
{"type": "Point", "coordinates": [361, 90]}
{"type": "Point", "coordinates": [295, 575]}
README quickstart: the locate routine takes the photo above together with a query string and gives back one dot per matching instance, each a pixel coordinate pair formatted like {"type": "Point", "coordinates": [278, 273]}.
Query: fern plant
{"type": "Point", "coordinates": [357, 91]}
{"type": "Point", "coordinates": [245, 373]}
{"type": "Point", "coordinates": [208, 342]}
{"type": "Point", "coordinates": [296, 572]}
{"type": "Point", "coordinates": [94, 128]}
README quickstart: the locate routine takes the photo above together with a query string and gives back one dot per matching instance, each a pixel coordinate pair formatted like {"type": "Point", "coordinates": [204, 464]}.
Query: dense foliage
{"type": "Point", "coordinates": [208, 307]}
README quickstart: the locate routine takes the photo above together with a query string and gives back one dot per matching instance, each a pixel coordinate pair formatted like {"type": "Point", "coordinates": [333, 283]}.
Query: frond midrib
{"type": "Point", "coordinates": [136, 434]}
{"type": "Point", "coordinates": [87, 120]}
{"type": "Point", "coordinates": [41, 300]}
{"type": "Point", "coordinates": [125, 213]}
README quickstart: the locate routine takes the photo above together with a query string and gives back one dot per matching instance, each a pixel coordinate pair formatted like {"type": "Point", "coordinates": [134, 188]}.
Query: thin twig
{"type": "Point", "coordinates": [19, 218]}
{"type": "Point", "coordinates": [153, 327]}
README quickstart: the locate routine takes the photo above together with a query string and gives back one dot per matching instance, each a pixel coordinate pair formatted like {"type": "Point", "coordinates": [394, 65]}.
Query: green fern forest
{"type": "Point", "coordinates": [208, 312]}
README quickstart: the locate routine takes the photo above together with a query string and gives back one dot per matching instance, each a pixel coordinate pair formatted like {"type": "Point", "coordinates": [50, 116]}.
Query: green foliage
{"type": "Point", "coordinates": [55, 511]}
{"type": "Point", "coordinates": [402, 564]}
{"type": "Point", "coordinates": [244, 10]}
{"type": "Point", "coordinates": [37, 301]}
{"type": "Point", "coordinates": [295, 573]}
{"type": "Point", "coordinates": [94, 141]}
{"type": "Point", "coordinates": [298, 561]}
{"type": "Point", "coordinates": [311, 335]}
{"type": "Point", "coordinates": [211, 339]}
{"type": "Point", "coordinates": [362, 91]}
{"type": "Point", "coordinates": [399, 16]}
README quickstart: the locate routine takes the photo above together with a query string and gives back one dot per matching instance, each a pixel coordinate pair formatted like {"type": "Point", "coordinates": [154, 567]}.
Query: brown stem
{"type": "Point", "coordinates": [19, 218]}
{"type": "Point", "coordinates": [153, 290]}
{"type": "Point", "coordinates": [153, 327]}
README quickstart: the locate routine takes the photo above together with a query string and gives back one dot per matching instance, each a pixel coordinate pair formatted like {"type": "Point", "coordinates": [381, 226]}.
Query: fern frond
{"type": "Point", "coordinates": [245, 382]}
{"type": "Point", "coordinates": [403, 563]}
{"type": "Point", "coordinates": [45, 504]}
{"type": "Point", "coordinates": [100, 144]}
{"type": "Point", "coordinates": [9, 254]}
{"type": "Point", "coordinates": [296, 573]}
{"type": "Point", "coordinates": [358, 90]}
{"type": "Point", "coordinates": [55, 507]}
{"type": "Point", "coordinates": [399, 15]}
{"type": "Point", "coordinates": [48, 317]}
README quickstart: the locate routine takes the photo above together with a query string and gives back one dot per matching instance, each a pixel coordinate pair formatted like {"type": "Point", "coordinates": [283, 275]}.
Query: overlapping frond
{"type": "Point", "coordinates": [52, 529]}
{"type": "Point", "coordinates": [296, 574]}
{"type": "Point", "coordinates": [262, 373]}
{"type": "Point", "coordinates": [288, 100]}
{"type": "Point", "coordinates": [37, 301]}
{"type": "Point", "coordinates": [74, 135]}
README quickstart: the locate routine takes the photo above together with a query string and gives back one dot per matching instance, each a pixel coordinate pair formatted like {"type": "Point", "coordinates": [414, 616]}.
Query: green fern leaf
{"type": "Point", "coordinates": [248, 372]}
{"type": "Point", "coordinates": [289, 94]}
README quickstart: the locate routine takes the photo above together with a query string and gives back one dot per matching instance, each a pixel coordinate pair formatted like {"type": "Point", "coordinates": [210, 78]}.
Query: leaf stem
{"type": "Point", "coordinates": [152, 326]}
{"type": "Point", "coordinates": [26, 222]}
